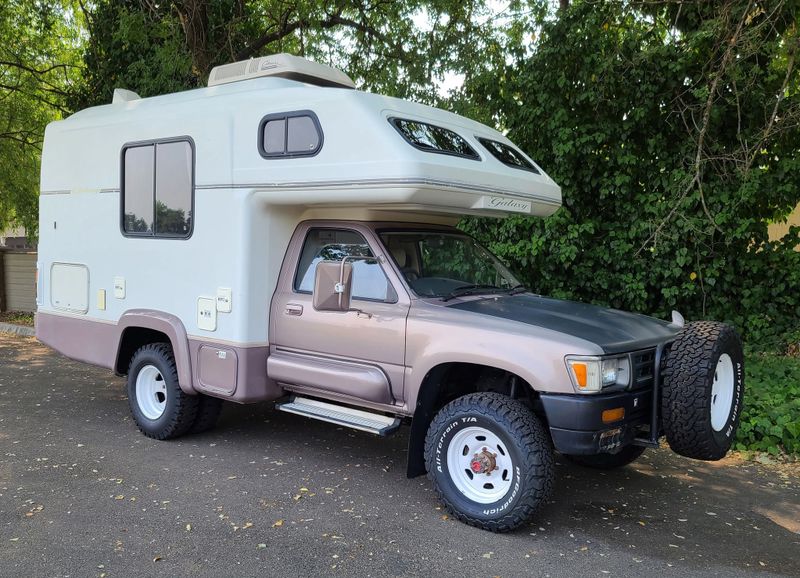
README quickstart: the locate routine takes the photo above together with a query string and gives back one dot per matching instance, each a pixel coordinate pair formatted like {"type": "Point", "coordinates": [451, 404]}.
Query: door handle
{"type": "Point", "coordinates": [293, 309]}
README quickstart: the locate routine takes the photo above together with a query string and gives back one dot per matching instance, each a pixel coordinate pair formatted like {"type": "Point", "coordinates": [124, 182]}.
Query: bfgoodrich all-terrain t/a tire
{"type": "Point", "coordinates": [160, 408]}
{"type": "Point", "coordinates": [703, 390]}
{"type": "Point", "coordinates": [490, 460]}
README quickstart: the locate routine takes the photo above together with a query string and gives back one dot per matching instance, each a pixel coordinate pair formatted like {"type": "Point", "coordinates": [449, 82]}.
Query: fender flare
{"type": "Point", "coordinates": [170, 326]}
{"type": "Point", "coordinates": [423, 416]}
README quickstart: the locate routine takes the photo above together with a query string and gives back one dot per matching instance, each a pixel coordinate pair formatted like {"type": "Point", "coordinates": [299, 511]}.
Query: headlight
{"type": "Point", "coordinates": [592, 374]}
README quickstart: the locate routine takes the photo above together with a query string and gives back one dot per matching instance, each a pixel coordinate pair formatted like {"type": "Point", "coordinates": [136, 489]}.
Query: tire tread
{"type": "Point", "coordinates": [684, 402]}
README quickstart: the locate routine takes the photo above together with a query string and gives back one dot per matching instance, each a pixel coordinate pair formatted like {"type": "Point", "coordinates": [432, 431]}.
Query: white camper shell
{"type": "Point", "coordinates": [241, 196]}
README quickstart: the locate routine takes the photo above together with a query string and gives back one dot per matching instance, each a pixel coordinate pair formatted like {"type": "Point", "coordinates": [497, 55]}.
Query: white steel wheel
{"type": "Point", "coordinates": [722, 390]}
{"type": "Point", "coordinates": [480, 465]}
{"type": "Point", "coordinates": [151, 392]}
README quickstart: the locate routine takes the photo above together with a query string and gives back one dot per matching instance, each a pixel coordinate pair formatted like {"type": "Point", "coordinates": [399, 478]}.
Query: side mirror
{"type": "Point", "coordinates": [333, 281]}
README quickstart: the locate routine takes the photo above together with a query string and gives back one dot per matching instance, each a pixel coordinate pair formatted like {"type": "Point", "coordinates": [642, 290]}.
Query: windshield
{"type": "Point", "coordinates": [439, 264]}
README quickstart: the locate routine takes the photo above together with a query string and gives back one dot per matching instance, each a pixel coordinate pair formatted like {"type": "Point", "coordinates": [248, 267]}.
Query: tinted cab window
{"type": "Point", "coordinates": [369, 280]}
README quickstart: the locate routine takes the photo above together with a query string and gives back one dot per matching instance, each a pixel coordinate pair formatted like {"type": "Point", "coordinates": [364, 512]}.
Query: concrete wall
{"type": "Point", "coordinates": [19, 276]}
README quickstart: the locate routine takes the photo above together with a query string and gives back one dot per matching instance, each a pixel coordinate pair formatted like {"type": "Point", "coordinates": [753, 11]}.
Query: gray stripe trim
{"type": "Point", "coordinates": [66, 192]}
{"type": "Point", "coordinates": [455, 185]}
{"type": "Point", "coordinates": [383, 182]}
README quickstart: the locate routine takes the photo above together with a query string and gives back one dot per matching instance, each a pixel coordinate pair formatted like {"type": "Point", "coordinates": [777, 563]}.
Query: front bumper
{"type": "Point", "coordinates": [577, 427]}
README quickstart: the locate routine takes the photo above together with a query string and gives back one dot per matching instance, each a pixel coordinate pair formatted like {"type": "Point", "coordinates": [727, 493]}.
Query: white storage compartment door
{"type": "Point", "coordinates": [69, 287]}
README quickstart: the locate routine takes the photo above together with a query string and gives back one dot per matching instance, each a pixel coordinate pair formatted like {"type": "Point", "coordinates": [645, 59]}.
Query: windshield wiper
{"type": "Point", "coordinates": [517, 289]}
{"type": "Point", "coordinates": [470, 290]}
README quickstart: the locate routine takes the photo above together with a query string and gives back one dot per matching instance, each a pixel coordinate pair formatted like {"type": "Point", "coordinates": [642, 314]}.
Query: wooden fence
{"type": "Point", "coordinates": [17, 280]}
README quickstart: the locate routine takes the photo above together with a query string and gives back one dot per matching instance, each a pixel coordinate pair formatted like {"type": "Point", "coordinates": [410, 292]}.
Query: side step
{"type": "Point", "coordinates": [353, 418]}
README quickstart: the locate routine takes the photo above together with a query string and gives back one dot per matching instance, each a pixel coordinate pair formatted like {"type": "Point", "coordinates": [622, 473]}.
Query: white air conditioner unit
{"type": "Point", "coordinates": [282, 65]}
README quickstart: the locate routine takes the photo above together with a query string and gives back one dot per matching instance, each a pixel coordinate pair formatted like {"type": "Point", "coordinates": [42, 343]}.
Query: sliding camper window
{"type": "Point", "coordinates": [433, 139]}
{"type": "Point", "coordinates": [289, 134]}
{"type": "Point", "coordinates": [158, 188]}
{"type": "Point", "coordinates": [507, 155]}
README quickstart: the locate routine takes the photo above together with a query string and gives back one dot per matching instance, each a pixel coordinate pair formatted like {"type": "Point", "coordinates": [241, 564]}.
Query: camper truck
{"type": "Point", "coordinates": [279, 235]}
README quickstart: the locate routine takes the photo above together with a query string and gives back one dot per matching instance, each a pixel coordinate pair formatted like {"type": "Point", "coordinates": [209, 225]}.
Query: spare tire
{"type": "Point", "coordinates": [703, 390]}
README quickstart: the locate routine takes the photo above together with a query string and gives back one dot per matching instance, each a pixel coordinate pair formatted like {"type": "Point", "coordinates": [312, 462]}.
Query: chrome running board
{"type": "Point", "coordinates": [375, 423]}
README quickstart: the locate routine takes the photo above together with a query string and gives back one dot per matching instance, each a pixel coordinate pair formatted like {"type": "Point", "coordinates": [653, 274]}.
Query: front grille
{"type": "Point", "coordinates": [643, 368]}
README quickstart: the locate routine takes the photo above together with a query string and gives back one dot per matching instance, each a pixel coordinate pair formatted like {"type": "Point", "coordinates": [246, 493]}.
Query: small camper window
{"type": "Point", "coordinates": [158, 188]}
{"type": "Point", "coordinates": [291, 134]}
{"type": "Point", "coordinates": [434, 139]}
{"type": "Point", "coordinates": [507, 155]}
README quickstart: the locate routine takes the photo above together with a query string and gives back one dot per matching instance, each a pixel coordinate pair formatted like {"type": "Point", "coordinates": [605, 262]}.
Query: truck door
{"type": "Point", "coordinates": [356, 355]}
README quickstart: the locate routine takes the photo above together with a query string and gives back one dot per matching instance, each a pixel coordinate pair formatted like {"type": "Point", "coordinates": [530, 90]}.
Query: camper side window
{"type": "Point", "coordinates": [289, 134]}
{"type": "Point", "coordinates": [507, 155]}
{"type": "Point", "coordinates": [433, 139]}
{"type": "Point", "coordinates": [158, 189]}
{"type": "Point", "coordinates": [369, 281]}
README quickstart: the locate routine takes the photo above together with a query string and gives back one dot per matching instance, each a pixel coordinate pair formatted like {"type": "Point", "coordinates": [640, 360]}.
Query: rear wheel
{"type": "Point", "coordinates": [490, 460]}
{"type": "Point", "coordinates": [208, 410]}
{"type": "Point", "coordinates": [703, 390]}
{"type": "Point", "coordinates": [625, 456]}
{"type": "Point", "coordinates": [159, 406]}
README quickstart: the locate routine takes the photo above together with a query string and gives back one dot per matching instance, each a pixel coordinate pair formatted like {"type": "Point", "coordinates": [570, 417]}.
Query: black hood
{"type": "Point", "coordinates": [613, 330]}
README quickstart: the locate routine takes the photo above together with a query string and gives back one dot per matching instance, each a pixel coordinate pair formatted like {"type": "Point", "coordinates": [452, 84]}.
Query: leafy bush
{"type": "Point", "coordinates": [770, 420]}
{"type": "Point", "coordinates": [646, 129]}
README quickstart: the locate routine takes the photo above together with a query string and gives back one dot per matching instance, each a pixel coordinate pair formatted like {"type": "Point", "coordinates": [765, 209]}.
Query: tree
{"type": "Point", "coordinates": [154, 48]}
{"type": "Point", "coordinates": [37, 66]}
{"type": "Point", "coordinates": [672, 128]}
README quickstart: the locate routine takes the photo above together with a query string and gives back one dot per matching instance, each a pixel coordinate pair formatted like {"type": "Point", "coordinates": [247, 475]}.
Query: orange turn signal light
{"type": "Point", "coordinates": [612, 415]}
{"type": "Point", "coordinates": [580, 373]}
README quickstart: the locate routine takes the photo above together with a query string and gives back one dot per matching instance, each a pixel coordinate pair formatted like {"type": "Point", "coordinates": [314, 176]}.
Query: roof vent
{"type": "Point", "coordinates": [124, 95]}
{"type": "Point", "coordinates": [284, 66]}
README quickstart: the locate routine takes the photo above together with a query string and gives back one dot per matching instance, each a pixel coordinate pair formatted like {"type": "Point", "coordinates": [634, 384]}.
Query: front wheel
{"type": "Point", "coordinates": [490, 460]}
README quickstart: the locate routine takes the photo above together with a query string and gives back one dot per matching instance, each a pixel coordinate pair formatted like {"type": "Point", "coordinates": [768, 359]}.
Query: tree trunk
{"type": "Point", "coordinates": [194, 20]}
{"type": "Point", "coordinates": [563, 4]}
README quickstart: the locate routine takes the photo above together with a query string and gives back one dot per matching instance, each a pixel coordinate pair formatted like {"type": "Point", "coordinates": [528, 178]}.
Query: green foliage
{"type": "Point", "coordinates": [133, 47]}
{"type": "Point", "coordinates": [156, 48]}
{"type": "Point", "coordinates": [37, 65]}
{"type": "Point", "coordinates": [770, 419]}
{"type": "Point", "coordinates": [16, 318]}
{"type": "Point", "coordinates": [673, 154]}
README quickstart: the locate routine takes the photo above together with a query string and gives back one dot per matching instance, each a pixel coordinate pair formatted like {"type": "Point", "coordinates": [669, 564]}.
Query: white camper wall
{"type": "Point", "coordinates": [168, 275]}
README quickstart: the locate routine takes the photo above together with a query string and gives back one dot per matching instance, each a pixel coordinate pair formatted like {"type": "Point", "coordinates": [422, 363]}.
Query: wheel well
{"type": "Point", "coordinates": [449, 381]}
{"type": "Point", "coordinates": [132, 339]}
